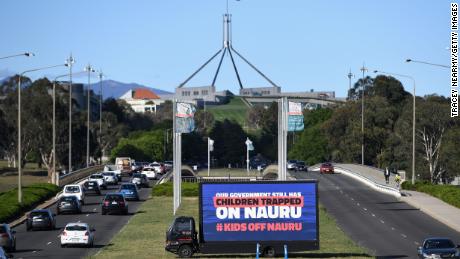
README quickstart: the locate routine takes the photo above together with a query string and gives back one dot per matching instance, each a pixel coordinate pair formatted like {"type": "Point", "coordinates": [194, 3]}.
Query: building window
{"type": "Point", "coordinates": [204, 92]}
{"type": "Point", "coordinates": [196, 92]}
{"type": "Point", "coordinates": [186, 93]}
{"type": "Point", "coordinates": [265, 92]}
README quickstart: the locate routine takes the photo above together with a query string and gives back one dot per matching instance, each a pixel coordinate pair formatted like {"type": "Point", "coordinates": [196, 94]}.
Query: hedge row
{"type": "Point", "coordinates": [32, 195]}
{"type": "Point", "coordinates": [166, 189]}
{"type": "Point", "coordinates": [447, 193]}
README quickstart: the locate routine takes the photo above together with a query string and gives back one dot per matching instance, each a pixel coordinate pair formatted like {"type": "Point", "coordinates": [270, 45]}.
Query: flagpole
{"type": "Point", "coordinates": [247, 155]}
{"type": "Point", "coordinates": [209, 158]}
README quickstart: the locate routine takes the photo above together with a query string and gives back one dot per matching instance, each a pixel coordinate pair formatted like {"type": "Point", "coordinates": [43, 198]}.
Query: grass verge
{"type": "Point", "coordinates": [234, 110]}
{"type": "Point", "coordinates": [144, 235]}
{"type": "Point", "coordinates": [447, 193]}
{"type": "Point", "coordinates": [32, 195]}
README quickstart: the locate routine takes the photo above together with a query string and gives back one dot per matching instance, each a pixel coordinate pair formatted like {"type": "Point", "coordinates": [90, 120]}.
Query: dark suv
{"type": "Point", "coordinates": [69, 204]}
{"type": "Point", "coordinates": [114, 202]}
{"type": "Point", "coordinates": [92, 186]}
{"type": "Point", "coordinates": [41, 219]}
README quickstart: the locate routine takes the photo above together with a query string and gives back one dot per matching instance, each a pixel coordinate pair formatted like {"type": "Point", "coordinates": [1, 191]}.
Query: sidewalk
{"type": "Point", "coordinates": [443, 212]}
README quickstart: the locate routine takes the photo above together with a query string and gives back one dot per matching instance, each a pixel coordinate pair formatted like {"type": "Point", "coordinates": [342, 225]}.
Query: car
{"type": "Point", "coordinates": [74, 190]}
{"type": "Point", "coordinates": [113, 169]}
{"type": "Point", "coordinates": [110, 178]}
{"type": "Point", "coordinates": [7, 238]}
{"type": "Point", "coordinates": [159, 169]}
{"type": "Point", "coordinates": [77, 233]}
{"type": "Point", "coordinates": [114, 202]}
{"type": "Point", "coordinates": [129, 191]}
{"type": "Point", "coordinates": [168, 165]}
{"type": "Point", "coordinates": [300, 166]}
{"type": "Point", "coordinates": [140, 180]}
{"type": "Point", "coordinates": [326, 168]}
{"type": "Point", "coordinates": [291, 164]}
{"type": "Point", "coordinates": [438, 247]}
{"type": "Point", "coordinates": [69, 204]}
{"type": "Point", "coordinates": [41, 219]}
{"type": "Point", "coordinates": [92, 187]}
{"type": "Point", "coordinates": [100, 180]}
{"type": "Point", "coordinates": [149, 172]}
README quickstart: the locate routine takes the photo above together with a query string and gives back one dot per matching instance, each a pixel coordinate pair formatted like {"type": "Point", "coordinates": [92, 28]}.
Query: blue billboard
{"type": "Point", "coordinates": [275, 211]}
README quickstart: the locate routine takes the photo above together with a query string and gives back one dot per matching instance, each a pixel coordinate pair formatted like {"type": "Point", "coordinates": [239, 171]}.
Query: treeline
{"type": "Point", "coordinates": [335, 133]}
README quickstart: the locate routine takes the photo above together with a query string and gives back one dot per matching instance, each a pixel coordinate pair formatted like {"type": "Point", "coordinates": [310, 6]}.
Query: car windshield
{"type": "Point", "coordinates": [154, 164]}
{"type": "Point", "coordinates": [326, 164]}
{"type": "Point", "coordinates": [114, 198]}
{"type": "Point", "coordinates": [98, 176]}
{"type": "Point", "coordinates": [128, 187]}
{"type": "Point", "coordinates": [438, 243]}
{"type": "Point", "coordinates": [91, 183]}
{"type": "Point", "coordinates": [76, 228]}
{"type": "Point", "coordinates": [2, 229]}
{"type": "Point", "coordinates": [301, 163]}
{"type": "Point", "coordinates": [108, 174]}
{"type": "Point", "coordinates": [137, 176]}
{"type": "Point", "coordinates": [68, 198]}
{"type": "Point", "coordinates": [39, 214]}
{"type": "Point", "coordinates": [292, 161]}
{"type": "Point", "coordinates": [72, 189]}
{"type": "Point", "coordinates": [148, 169]}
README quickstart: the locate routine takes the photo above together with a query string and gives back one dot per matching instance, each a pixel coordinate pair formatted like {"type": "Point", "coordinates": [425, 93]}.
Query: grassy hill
{"type": "Point", "coordinates": [235, 110]}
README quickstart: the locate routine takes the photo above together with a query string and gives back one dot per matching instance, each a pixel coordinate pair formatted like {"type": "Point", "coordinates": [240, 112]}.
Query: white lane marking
{"type": "Point", "coordinates": [373, 215]}
{"type": "Point", "coordinates": [49, 243]}
{"type": "Point", "coordinates": [357, 203]}
{"type": "Point", "coordinates": [383, 222]}
{"type": "Point", "coordinates": [365, 209]}
{"type": "Point", "coordinates": [392, 228]}
{"type": "Point", "coordinates": [94, 209]}
{"type": "Point", "coordinates": [403, 235]}
{"type": "Point", "coordinates": [79, 221]}
{"type": "Point", "coordinates": [341, 191]}
{"type": "Point", "coordinates": [34, 251]}
{"type": "Point", "coordinates": [87, 215]}
{"type": "Point", "coordinates": [352, 199]}
{"type": "Point", "coordinates": [416, 243]}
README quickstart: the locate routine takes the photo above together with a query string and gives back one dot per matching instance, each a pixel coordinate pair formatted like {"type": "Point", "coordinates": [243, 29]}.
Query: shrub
{"type": "Point", "coordinates": [32, 195]}
{"type": "Point", "coordinates": [166, 189]}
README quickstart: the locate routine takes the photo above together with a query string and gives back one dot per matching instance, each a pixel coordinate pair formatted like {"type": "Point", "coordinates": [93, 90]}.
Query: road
{"type": "Point", "coordinates": [46, 244]}
{"type": "Point", "coordinates": [387, 227]}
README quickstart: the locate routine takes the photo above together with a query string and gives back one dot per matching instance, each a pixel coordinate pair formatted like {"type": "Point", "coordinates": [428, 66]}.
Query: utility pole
{"type": "Point", "coordinates": [70, 62]}
{"type": "Point", "coordinates": [88, 69]}
{"type": "Point", "coordinates": [363, 69]}
{"type": "Point", "coordinates": [350, 75]}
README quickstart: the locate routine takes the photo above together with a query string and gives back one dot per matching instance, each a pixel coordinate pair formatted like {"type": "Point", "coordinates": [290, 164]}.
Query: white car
{"type": "Point", "coordinates": [113, 169]}
{"type": "Point", "coordinates": [110, 177]}
{"type": "Point", "coordinates": [77, 234]}
{"type": "Point", "coordinates": [99, 178]}
{"type": "Point", "coordinates": [150, 172]}
{"type": "Point", "coordinates": [74, 190]}
{"type": "Point", "coordinates": [156, 166]}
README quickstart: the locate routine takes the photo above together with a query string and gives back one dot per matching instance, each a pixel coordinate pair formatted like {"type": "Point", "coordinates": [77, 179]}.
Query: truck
{"type": "Point", "coordinates": [124, 165]}
{"type": "Point", "coordinates": [245, 217]}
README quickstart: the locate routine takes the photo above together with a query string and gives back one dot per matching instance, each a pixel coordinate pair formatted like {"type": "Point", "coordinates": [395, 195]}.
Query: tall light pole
{"type": "Point", "coordinates": [426, 63]}
{"type": "Point", "coordinates": [27, 54]}
{"type": "Point", "coordinates": [101, 75]}
{"type": "Point", "coordinates": [350, 75]}
{"type": "Point", "coordinates": [363, 69]}
{"type": "Point", "coordinates": [70, 62]}
{"type": "Point", "coordinates": [413, 118]}
{"type": "Point", "coordinates": [19, 127]}
{"type": "Point", "coordinates": [88, 69]}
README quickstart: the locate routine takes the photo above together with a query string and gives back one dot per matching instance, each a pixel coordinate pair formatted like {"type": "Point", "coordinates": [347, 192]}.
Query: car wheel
{"type": "Point", "coordinates": [58, 212]}
{"type": "Point", "coordinates": [185, 251]}
{"type": "Point", "coordinates": [63, 245]}
{"type": "Point", "coordinates": [269, 252]}
{"type": "Point", "coordinates": [125, 212]}
{"type": "Point", "coordinates": [82, 202]}
{"type": "Point", "coordinates": [103, 212]}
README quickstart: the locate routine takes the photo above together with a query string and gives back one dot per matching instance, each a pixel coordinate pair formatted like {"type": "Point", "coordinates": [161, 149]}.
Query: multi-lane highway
{"type": "Point", "coordinates": [46, 244]}
{"type": "Point", "coordinates": [387, 227]}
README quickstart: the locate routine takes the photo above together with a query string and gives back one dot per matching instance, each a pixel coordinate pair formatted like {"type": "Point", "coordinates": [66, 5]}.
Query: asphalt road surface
{"type": "Point", "coordinates": [46, 244]}
{"type": "Point", "coordinates": [387, 227]}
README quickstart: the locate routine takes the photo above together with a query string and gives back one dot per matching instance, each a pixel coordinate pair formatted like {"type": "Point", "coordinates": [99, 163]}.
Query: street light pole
{"type": "Point", "coordinates": [413, 119]}
{"type": "Point", "coordinates": [426, 63]}
{"type": "Point", "coordinates": [70, 62]}
{"type": "Point", "coordinates": [88, 69]}
{"type": "Point", "coordinates": [363, 69]}
{"type": "Point", "coordinates": [350, 75]}
{"type": "Point", "coordinates": [19, 127]}
{"type": "Point", "coordinates": [27, 54]}
{"type": "Point", "coordinates": [100, 112]}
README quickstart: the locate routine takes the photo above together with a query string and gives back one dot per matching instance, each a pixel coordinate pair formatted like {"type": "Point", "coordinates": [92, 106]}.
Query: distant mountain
{"type": "Point", "coordinates": [115, 89]}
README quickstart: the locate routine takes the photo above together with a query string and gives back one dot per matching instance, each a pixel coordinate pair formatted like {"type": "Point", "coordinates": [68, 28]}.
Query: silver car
{"type": "Point", "coordinates": [110, 178]}
{"type": "Point", "coordinates": [7, 237]}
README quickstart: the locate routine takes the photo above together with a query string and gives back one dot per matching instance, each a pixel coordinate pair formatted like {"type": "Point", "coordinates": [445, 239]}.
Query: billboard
{"type": "Point", "coordinates": [260, 211]}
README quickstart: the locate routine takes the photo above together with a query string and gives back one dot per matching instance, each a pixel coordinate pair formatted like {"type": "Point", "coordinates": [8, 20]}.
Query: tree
{"type": "Point", "coordinates": [204, 120]}
{"type": "Point", "coordinates": [229, 138]}
{"type": "Point", "coordinates": [254, 118]}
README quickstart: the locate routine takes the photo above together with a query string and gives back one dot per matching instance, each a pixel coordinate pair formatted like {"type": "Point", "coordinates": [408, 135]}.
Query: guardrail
{"type": "Point", "coordinates": [369, 182]}
{"type": "Point", "coordinates": [78, 174]}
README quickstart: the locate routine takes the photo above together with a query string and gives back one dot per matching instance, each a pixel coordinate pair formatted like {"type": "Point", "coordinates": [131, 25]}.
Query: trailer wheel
{"type": "Point", "coordinates": [269, 251]}
{"type": "Point", "coordinates": [185, 251]}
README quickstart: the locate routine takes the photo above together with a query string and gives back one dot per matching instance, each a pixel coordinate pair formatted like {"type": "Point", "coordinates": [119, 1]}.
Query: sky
{"type": "Point", "coordinates": [299, 44]}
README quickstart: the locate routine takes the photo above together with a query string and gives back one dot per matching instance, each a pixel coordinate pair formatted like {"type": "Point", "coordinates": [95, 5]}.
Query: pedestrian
{"type": "Point", "coordinates": [387, 175]}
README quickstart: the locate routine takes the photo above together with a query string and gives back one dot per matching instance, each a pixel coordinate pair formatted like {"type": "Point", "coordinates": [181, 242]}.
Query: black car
{"type": "Point", "coordinates": [300, 166]}
{"type": "Point", "coordinates": [91, 187]}
{"type": "Point", "coordinates": [41, 219]}
{"type": "Point", "coordinates": [68, 204]}
{"type": "Point", "coordinates": [114, 202]}
{"type": "Point", "coordinates": [438, 248]}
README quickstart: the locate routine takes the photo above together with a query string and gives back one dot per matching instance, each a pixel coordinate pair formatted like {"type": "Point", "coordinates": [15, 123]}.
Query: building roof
{"type": "Point", "coordinates": [142, 93]}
